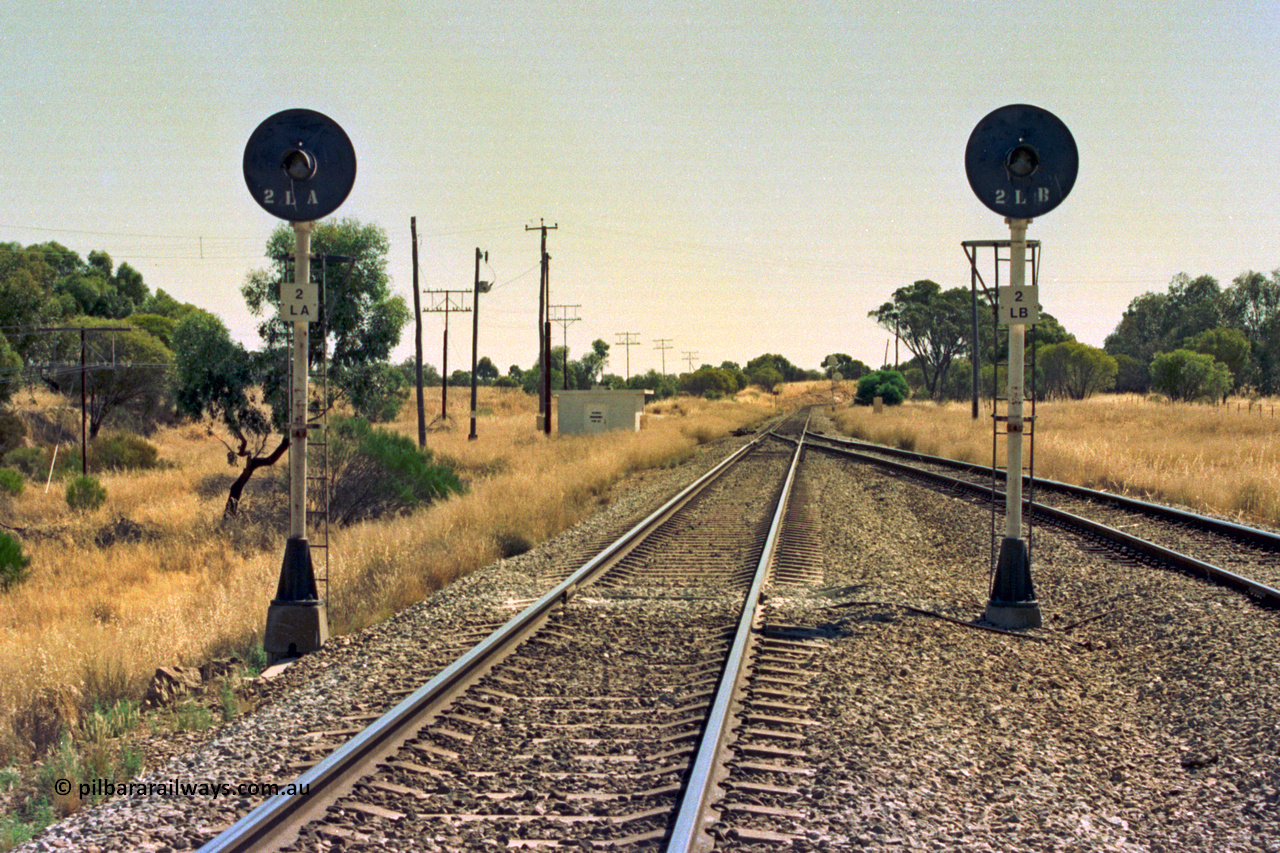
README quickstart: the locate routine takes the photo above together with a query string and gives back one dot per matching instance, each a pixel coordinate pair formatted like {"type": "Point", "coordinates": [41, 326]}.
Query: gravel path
{"type": "Point", "coordinates": [1143, 717]}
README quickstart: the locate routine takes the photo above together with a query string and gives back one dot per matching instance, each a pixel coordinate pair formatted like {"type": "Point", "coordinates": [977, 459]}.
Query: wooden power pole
{"type": "Point", "coordinates": [417, 324]}
{"type": "Point", "coordinates": [544, 330]}
{"type": "Point", "coordinates": [444, 301]}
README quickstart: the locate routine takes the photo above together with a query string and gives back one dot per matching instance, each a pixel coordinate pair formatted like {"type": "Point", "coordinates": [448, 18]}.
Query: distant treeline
{"type": "Point", "coordinates": [1195, 341]}
{"type": "Point", "coordinates": [711, 381]}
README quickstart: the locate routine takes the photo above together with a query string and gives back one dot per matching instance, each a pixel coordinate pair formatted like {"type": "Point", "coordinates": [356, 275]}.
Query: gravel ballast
{"type": "Point", "coordinates": [1141, 718]}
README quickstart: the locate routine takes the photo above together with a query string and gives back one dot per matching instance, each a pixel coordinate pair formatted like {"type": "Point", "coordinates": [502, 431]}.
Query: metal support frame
{"type": "Point", "coordinates": [1013, 602]}
{"type": "Point", "coordinates": [318, 473]}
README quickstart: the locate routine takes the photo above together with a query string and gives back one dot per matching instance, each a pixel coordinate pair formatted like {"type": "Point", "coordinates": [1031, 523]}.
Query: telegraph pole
{"type": "Point", "coordinates": [444, 301]}
{"type": "Point", "coordinates": [689, 357]}
{"type": "Point", "coordinates": [628, 342]}
{"type": "Point", "coordinates": [544, 331]}
{"type": "Point", "coordinates": [662, 345]}
{"type": "Point", "coordinates": [85, 367]}
{"type": "Point", "coordinates": [417, 324]}
{"type": "Point", "coordinates": [565, 321]}
{"type": "Point", "coordinates": [480, 287]}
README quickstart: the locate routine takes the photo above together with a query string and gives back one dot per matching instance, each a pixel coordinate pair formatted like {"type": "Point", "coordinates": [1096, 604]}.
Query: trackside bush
{"type": "Point", "coordinates": [13, 563]}
{"type": "Point", "coordinates": [86, 493]}
{"type": "Point", "coordinates": [34, 461]}
{"type": "Point", "coordinates": [378, 473]}
{"type": "Point", "coordinates": [122, 451]}
{"type": "Point", "coordinates": [11, 482]}
{"type": "Point", "coordinates": [13, 431]}
{"type": "Point", "coordinates": [889, 385]}
{"type": "Point", "coordinates": [30, 461]}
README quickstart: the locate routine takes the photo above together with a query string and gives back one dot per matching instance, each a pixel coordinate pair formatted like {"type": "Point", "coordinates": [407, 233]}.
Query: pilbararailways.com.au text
{"type": "Point", "coordinates": [173, 788]}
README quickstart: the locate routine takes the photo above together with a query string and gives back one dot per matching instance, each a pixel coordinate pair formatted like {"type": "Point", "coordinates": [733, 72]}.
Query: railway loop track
{"type": "Point", "coordinates": [1247, 559]}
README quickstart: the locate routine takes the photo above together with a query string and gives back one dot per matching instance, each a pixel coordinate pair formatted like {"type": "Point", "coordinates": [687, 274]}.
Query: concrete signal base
{"type": "Point", "coordinates": [297, 620]}
{"type": "Point", "coordinates": [1013, 617]}
{"type": "Point", "coordinates": [294, 628]}
{"type": "Point", "coordinates": [1013, 602]}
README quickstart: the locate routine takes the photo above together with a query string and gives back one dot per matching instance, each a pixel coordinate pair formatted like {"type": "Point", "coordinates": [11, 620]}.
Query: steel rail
{"type": "Point", "coordinates": [275, 822]}
{"type": "Point", "coordinates": [1263, 594]}
{"type": "Point", "coordinates": [688, 830]}
{"type": "Point", "coordinates": [1251, 535]}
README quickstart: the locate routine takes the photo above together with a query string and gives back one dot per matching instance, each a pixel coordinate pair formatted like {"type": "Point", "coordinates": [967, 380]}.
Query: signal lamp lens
{"type": "Point", "coordinates": [1022, 161]}
{"type": "Point", "coordinates": [298, 164]}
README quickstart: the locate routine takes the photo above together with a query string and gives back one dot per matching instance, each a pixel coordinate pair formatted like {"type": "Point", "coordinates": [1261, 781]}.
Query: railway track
{"type": "Point", "coordinates": [643, 703]}
{"type": "Point", "coordinates": [1244, 558]}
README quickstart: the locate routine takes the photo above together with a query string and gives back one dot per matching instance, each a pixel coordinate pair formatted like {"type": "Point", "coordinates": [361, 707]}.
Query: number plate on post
{"type": "Point", "coordinates": [1019, 306]}
{"type": "Point", "coordinates": [299, 303]}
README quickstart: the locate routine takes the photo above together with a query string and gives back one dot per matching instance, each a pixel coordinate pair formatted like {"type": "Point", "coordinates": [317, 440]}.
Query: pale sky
{"type": "Point", "coordinates": [738, 178]}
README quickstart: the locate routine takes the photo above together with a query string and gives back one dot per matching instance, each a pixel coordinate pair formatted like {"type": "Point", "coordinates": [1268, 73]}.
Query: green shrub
{"type": "Point", "coordinates": [1186, 375]}
{"type": "Point", "coordinates": [377, 473]}
{"type": "Point", "coordinates": [889, 385]}
{"type": "Point", "coordinates": [15, 830]}
{"type": "Point", "coordinates": [377, 391]}
{"type": "Point", "coordinates": [13, 431]}
{"type": "Point", "coordinates": [13, 563]}
{"type": "Point", "coordinates": [86, 493]}
{"type": "Point", "coordinates": [190, 716]}
{"type": "Point", "coordinates": [230, 702]}
{"type": "Point", "coordinates": [122, 451]}
{"type": "Point", "coordinates": [34, 461]}
{"type": "Point", "coordinates": [255, 658]}
{"type": "Point", "coordinates": [104, 721]}
{"type": "Point", "coordinates": [31, 461]}
{"type": "Point", "coordinates": [62, 763]}
{"type": "Point", "coordinates": [67, 463]}
{"type": "Point", "coordinates": [11, 482]}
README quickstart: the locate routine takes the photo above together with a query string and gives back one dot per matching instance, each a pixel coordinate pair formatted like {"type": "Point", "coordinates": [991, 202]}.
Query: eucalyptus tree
{"type": "Point", "coordinates": [935, 325]}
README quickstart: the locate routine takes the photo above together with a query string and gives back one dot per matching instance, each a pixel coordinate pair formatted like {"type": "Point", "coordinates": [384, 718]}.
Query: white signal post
{"type": "Point", "coordinates": [1017, 355]}
{"type": "Point", "coordinates": [1021, 162]}
{"type": "Point", "coordinates": [298, 380]}
{"type": "Point", "coordinates": [297, 620]}
{"type": "Point", "coordinates": [1013, 603]}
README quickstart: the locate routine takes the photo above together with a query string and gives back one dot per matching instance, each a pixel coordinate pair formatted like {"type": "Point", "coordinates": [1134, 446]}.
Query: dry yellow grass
{"type": "Point", "coordinates": [1223, 459]}
{"type": "Point", "coordinates": [200, 587]}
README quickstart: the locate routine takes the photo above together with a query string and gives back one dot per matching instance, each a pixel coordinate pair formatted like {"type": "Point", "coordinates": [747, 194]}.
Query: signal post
{"type": "Point", "coordinates": [1021, 162]}
{"type": "Point", "coordinates": [300, 166]}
